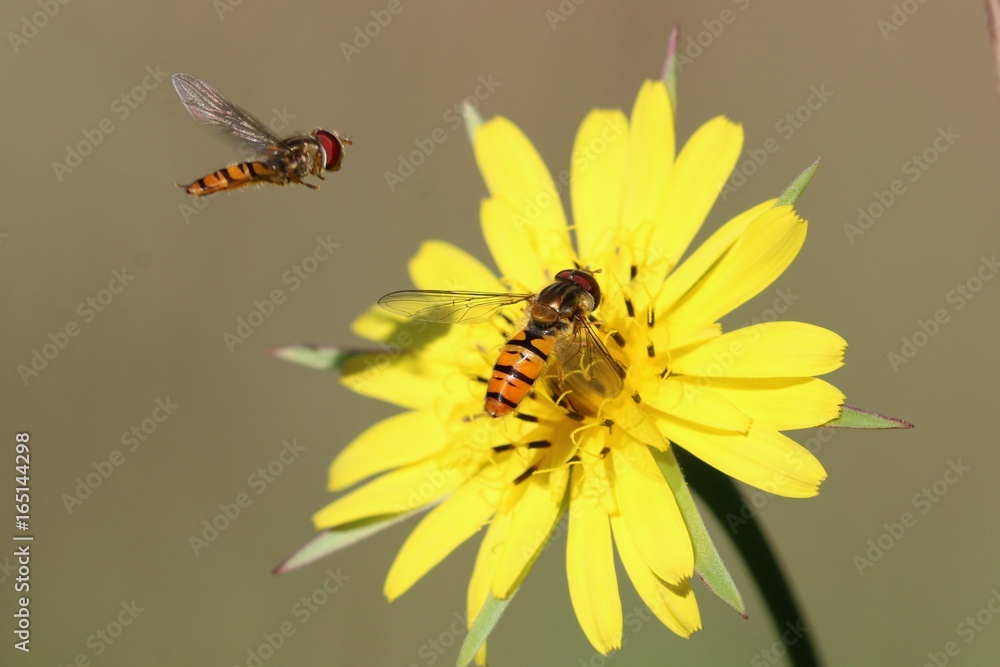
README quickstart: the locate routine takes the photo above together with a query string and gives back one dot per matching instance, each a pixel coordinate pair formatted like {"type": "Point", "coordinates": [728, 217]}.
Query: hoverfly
{"type": "Point", "coordinates": [281, 161]}
{"type": "Point", "coordinates": [558, 328]}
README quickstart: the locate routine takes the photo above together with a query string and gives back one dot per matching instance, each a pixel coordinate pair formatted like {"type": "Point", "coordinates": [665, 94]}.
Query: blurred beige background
{"type": "Point", "coordinates": [887, 96]}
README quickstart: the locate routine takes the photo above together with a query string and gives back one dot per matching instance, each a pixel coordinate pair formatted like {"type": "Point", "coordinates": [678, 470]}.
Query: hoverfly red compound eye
{"type": "Point", "coordinates": [333, 149]}
{"type": "Point", "coordinates": [584, 279]}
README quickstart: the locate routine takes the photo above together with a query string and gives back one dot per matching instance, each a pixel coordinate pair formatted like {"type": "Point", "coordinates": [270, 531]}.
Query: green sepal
{"type": "Point", "coordinates": [670, 67]}
{"type": "Point", "coordinates": [490, 613]}
{"type": "Point", "coordinates": [798, 186]}
{"type": "Point", "coordinates": [707, 561]}
{"type": "Point", "coordinates": [318, 357]}
{"type": "Point", "coordinates": [852, 417]}
{"type": "Point", "coordinates": [335, 539]}
{"type": "Point", "coordinates": [472, 119]}
{"type": "Point", "coordinates": [482, 627]}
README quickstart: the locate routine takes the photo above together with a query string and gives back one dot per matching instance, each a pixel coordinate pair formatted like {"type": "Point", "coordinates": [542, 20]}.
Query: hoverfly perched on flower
{"type": "Point", "coordinates": [281, 161]}
{"type": "Point", "coordinates": [559, 329]}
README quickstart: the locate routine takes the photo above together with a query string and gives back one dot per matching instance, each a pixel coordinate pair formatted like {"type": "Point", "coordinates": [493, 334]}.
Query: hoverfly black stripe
{"type": "Point", "coordinates": [503, 399]}
{"type": "Point", "coordinates": [257, 169]}
{"type": "Point", "coordinates": [503, 448]}
{"type": "Point", "coordinates": [526, 418]}
{"type": "Point", "coordinates": [629, 307]}
{"type": "Point", "coordinates": [650, 351]}
{"type": "Point", "coordinates": [529, 345]}
{"type": "Point", "coordinates": [510, 370]}
{"type": "Point", "coordinates": [539, 444]}
{"type": "Point", "coordinates": [525, 475]}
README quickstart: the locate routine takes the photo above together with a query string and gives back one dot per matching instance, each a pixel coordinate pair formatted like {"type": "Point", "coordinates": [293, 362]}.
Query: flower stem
{"type": "Point", "coordinates": [725, 501]}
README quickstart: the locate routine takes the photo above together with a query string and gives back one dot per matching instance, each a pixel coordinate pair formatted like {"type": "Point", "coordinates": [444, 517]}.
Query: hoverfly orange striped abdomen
{"type": "Point", "coordinates": [520, 363]}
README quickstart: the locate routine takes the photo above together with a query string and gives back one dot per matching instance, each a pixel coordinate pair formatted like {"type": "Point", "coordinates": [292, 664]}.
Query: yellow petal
{"type": "Point", "coordinates": [590, 569]}
{"type": "Point", "coordinates": [762, 458]}
{"type": "Point", "coordinates": [650, 154]}
{"type": "Point", "coordinates": [523, 222]}
{"type": "Point", "coordinates": [760, 255]}
{"type": "Point", "coordinates": [782, 403]}
{"type": "Point", "coordinates": [694, 268]}
{"type": "Point", "coordinates": [687, 398]}
{"type": "Point", "coordinates": [397, 377]}
{"type": "Point", "coordinates": [393, 493]}
{"type": "Point", "coordinates": [767, 350]}
{"type": "Point", "coordinates": [442, 266]}
{"type": "Point", "coordinates": [597, 176]}
{"type": "Point", "coordinates": [532, 520]}
{"type": "Point", "coordinates": [675, 606]}
{"type": "Point", "coordinates": [397, 441]}
{"type": "Point", "coordinates": [651, 514]}
{"type": "Point", "coordinates": [448, 525]}
{"type": "Point", "coordinates": [692, 187]}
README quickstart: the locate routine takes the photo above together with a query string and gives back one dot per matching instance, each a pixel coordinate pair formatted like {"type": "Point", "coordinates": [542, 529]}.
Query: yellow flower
{"type": "Point", "coordinates": [724, 397]}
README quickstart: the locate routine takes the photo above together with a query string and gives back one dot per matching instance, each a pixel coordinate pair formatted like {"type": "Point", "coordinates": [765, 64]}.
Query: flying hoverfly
{"type": "Point", "coordinates": [280, 161]}
{"type": "Point", "coordinates": [558, 329]}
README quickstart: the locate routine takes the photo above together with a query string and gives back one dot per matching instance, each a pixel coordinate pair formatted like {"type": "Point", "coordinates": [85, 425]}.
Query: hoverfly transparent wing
{"type": "Point", "coordinates": [209, 107]}
{"type": "Point", "coordinates": [449, 307]}
{"type": "Point", "coordinates": [587, 368]}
